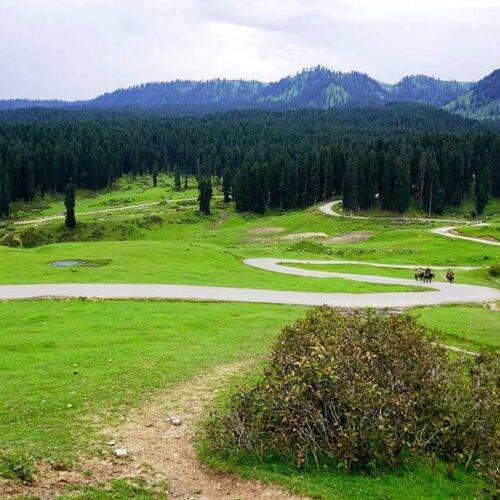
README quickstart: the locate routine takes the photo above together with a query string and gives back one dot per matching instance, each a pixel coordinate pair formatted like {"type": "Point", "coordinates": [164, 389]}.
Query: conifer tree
{"type": "Point", "coordinates": [401, 196]}
{"type": "Point", "coordinates": [154, 171]}
{"type": "Point", "coordinates": [205, 194]}
{"type": "Point", "coordinates": [4, 190]}
{"type": "Point", "coordinates": [226, 185]}
{"type": "Point", "coordinates": [69, 203]}
{"type": "Point", "coordinates": [177, 178]}
{"type": "Point", "coordinates": [350, 188]}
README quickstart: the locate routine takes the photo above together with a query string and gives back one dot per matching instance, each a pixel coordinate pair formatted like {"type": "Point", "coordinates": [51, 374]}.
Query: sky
{"type": "Point", "coordinates": [78, 49]}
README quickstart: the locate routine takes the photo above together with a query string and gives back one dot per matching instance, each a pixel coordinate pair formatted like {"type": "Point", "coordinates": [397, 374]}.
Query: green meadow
{"type": "Point", "coordinates": [69, 368]}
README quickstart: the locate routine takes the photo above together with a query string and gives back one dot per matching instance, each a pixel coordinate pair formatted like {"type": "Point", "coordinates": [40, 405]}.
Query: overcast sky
{"type": "Point", "coordinates": [77, 49]}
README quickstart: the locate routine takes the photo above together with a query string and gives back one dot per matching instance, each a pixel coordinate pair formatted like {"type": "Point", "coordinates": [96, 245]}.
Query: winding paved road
{"type": "Point", "coordinates": [327, 209]}
{"type": "Point", "coordinates": [436, 293]}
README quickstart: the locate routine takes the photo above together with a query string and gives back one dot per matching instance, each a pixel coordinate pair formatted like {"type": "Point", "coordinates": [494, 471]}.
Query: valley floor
{"type": "Point", "coordinates": [79, 371]}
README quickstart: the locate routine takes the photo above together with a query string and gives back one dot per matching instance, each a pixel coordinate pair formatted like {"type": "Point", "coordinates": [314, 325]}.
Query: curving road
{"type": "Point", "coordinates": [447, 231]}
{"type": "Point", "coordinates": [437, 293]}
{"type": "Point", "coordinates": [327, 209]}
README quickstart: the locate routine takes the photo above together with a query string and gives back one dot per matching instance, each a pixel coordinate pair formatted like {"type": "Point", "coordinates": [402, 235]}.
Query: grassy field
{"type": "Point", "coordinates": [125, 191]}
{"type": "Point", "coordinates": [104, 357]}
{"type": "Point", "coordinates": [471, 327]}
{"type": "Point", "coordinates": [414, 479]}
{"type": "Point", "coordinates": [492, 231]}
{"type": "Point", "coordinates": [71, 367]}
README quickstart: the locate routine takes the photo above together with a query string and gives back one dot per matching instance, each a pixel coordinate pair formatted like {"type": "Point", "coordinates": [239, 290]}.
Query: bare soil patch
{"type": "Point", "coordinates": [157, 450]}
{"type": "Point", "coordinates": [303, 236]}
{"type": "Point", "coordinates": [351, 237]}
{"type": "Point", "coordinates": [266, 230]}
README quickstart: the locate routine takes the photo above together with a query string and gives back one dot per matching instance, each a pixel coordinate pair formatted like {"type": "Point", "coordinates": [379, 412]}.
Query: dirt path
{"type": "Point", "coordinates": [42, 220]}
{"type": "Point", "coordinates": [160, 451]}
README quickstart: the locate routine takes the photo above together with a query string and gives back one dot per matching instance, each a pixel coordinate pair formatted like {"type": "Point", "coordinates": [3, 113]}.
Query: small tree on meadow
{"type": "Point", "coordinates": [205, 194]}
{"type": "Point", "coordinates": [177, 178]}
{"type": "Point", "coordinates": [227, 181]}
{"type": "Point", "coordinates": [155, 171]}
{"type": "Point", "coordinates": [69, 203]}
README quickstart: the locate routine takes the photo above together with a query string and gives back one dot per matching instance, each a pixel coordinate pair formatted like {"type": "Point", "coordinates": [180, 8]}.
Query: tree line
{"type": "Point", "coordinates": [277, 160]}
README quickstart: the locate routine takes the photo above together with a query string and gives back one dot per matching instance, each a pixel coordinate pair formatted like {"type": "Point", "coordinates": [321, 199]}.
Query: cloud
{"type": "Point", "coordinates": [80, 48]}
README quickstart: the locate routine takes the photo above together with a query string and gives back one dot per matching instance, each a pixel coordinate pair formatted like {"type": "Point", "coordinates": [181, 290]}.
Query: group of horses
{"type": "Point", "coordinates": [426, 275]}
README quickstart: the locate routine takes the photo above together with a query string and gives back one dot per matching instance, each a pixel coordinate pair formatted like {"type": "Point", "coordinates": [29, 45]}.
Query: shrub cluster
{"type": "Point", "coordinates": [360, 389]}
{"type": "Point", "coordinates": [494, 269]}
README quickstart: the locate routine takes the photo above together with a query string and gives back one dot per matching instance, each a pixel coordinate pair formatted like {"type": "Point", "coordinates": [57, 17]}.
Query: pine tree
{"type": "Point", "coordinates": [227, 181]}
{"type": "Point", "coordinates": [350, 188]}
{"type": "Point", "coordinates": [69, 203]}
{"type": "Point", "coordinates": [177, 178]}
{"type": "Point", "coordinates": [30, 188]}
{"type": "Point", "coordinates": [422, 170]}
{"type": "Point", "coordinates": [481, 198]}
{"type": "Point", "coordinates": [495, 169]}
{"type": "Point", "coordinates": [205, 194]}
{"type": "Point", "coordinates": [154, 172]}
{"type": "Point", "coordinates": [4, 190]}
{"type": "Point", "coordinates": [401, 200]}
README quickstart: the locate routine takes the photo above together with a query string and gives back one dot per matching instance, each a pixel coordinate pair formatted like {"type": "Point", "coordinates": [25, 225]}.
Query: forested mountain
{"type": "Point", "coordinates": [482, 101]}
{"type": "Point", "coordinates": [425, 90]}
{"type": "Point", "coordinates": [313, 88]}
{"type": "Point", "coordinates": [267, 159]}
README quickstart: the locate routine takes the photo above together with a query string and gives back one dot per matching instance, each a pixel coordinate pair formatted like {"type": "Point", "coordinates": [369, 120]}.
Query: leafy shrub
{"type": "Point", "coordinates": [32, 237]}
{"type": "Point", "coordinates": [150, 220]}
{"type": "Point", "coordinates": [360, 389]}
{"type": "Point", "coordinates": [494, 269]}
{"type": "Point", "coordinates": [10, 240]}
{"type": "Point", "coordinates": [16, 466]}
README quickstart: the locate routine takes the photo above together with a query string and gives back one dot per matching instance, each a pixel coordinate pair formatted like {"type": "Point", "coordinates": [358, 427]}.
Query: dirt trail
{"type": "Point", "coordinates": [49, 218]}
{"type": "Point", "coordinates": [159, 451]}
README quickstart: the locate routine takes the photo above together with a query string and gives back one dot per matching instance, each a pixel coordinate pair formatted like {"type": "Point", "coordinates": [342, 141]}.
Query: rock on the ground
{"type": "Point", "coordinates": [175, 421]}
{"type": "Point", "coordinates": [120, 453]}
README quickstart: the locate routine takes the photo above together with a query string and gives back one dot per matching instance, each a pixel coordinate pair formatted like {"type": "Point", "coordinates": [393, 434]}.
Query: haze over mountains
{"type": "Point", "coordinates": [312, 88]}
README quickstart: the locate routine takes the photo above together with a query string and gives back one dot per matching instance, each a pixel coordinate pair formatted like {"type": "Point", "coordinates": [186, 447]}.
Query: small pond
{"type": "Point", "coordinates": [67, 263]}
{"type": "Point", "coordinates": [80, 263]}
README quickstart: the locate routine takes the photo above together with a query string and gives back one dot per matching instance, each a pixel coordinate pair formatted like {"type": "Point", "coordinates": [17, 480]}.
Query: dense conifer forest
{"type": "Point", "coordinates": [386, 156]}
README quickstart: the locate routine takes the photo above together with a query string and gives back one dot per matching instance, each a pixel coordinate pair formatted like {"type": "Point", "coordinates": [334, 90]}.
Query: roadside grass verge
{"type": "Point", "coordinates": [471, 327]}
{"type": "Point", "coordinates": [492, 231]}
{"type": "Point", "coordinates": [473, 277]}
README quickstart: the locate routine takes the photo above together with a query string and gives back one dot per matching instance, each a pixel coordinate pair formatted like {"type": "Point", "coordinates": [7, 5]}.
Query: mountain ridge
{"type": "Point", "coordinates": [317, 88]}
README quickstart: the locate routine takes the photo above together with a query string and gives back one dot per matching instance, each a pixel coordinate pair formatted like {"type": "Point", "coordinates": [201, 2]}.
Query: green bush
{"type": "Point", "coordinates": [10, 240]}
{"type": "Point", "coordinates": [494, 269]}
{"type": "Point", "coordinates": [362, 390]}
{"type": "Point", "coordinates": [33, 237]}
